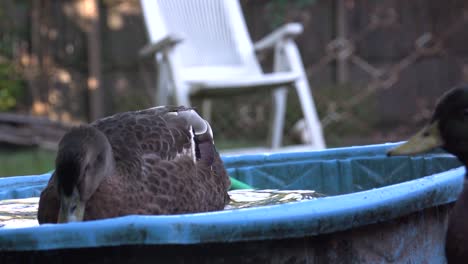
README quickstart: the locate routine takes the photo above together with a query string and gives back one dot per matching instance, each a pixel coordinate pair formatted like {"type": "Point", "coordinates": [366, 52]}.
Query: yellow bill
{"type": "Point", "coordinates": [425, 140]}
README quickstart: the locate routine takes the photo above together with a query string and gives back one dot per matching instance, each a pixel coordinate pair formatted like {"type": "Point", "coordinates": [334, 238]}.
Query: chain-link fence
{"type": "Point", "coordinates": [417, 51]}
{"type": "Point", "coordinates": [376, 71]}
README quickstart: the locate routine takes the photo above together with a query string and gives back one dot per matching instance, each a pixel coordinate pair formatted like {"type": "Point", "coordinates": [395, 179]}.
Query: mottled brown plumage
{"type": "Point", "coordinates": [165, 163]}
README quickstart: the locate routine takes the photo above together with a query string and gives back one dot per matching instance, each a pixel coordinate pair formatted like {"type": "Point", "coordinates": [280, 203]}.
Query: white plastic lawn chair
{"type": "Point", "coordinates": [203, 48]}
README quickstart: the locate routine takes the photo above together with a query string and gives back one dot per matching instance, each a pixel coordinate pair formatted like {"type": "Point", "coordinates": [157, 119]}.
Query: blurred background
{"type": "Point", "coordinates": [376, 68]}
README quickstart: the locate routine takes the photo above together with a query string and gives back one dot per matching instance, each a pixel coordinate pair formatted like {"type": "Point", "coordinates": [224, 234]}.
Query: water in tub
{"type": "Point", "coordinates": [16, 213]}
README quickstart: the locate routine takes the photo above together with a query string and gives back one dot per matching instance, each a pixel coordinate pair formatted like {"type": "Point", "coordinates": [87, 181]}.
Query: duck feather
{"type": "Point", "coordinates": [165, 163]}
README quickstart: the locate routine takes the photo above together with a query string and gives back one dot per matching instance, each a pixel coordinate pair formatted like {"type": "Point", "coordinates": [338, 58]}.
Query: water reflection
{"type": "Point", "coordinates": [17, 213]}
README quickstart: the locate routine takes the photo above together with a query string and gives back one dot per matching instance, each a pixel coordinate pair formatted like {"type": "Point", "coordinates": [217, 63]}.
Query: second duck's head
{"type": "Point", "coordinates": [447, 128]}
{"type": "Point", "coordinates": [83, 160]}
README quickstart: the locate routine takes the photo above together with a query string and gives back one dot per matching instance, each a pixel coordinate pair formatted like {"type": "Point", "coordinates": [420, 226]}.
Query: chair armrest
{"type": "Point", "coordinates": [152, 48]}
{"type": "Point", "coordinates": [289, 30]}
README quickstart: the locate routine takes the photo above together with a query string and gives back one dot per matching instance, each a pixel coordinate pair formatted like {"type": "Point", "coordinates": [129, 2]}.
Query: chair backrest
{"type": "Point", "coordinates": [214, 33]}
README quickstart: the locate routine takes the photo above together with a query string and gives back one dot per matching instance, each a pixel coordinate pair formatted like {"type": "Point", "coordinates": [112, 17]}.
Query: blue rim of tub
{"type": "Point", "coordinates": [298, 219]}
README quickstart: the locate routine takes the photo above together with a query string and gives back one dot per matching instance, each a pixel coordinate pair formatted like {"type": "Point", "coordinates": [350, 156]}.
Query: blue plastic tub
{"type": "Point", "coordinates": [378, 210]}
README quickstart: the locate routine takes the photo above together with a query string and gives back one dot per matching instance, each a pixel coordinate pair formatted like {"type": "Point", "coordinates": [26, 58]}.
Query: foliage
{"type": "Point", "coordinates": [11, 87]}
{"type": "Point", "coordinates": [11, 84]}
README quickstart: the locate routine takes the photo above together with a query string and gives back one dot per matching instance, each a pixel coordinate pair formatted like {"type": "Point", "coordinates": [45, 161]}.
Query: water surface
{"type": "Point", "coordinates": [17, 213]}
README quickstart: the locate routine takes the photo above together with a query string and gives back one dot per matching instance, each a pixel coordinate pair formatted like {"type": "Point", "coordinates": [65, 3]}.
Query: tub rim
{"type": "Point", "coordinates": [297, 219]}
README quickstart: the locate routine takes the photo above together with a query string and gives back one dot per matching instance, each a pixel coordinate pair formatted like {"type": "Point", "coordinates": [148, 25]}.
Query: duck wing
{"type": "Point", "coordinates": [140, 136]}
{"type": "Point", "coordinates": [170, 153]}
{"type": "Point", "coordinates": [166, 163]}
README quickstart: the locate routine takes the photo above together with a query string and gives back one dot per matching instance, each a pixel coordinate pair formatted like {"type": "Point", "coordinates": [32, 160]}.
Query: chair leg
{"type": "Point", "coordinates": [279, 112]}
{"type": "Point", "coordinates": [305, 95]}
{"type": "Point", "coordinates": [180, 90]}
{"type": "Point", "coordinates": [162, 90]}
{"type": "Point", "coordinates": [181, 95]}
{"type": "Point", "coordinates": [310, 114]}
{"type": "Point", "coordinates": [206, 109]}
{"type": "Point", "coordinates": [182, 99]}
{"type": "Point", "coordinates": [279, 101]}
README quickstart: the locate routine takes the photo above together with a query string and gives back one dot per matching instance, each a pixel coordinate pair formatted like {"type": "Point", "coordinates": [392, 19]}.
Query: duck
{"type": "Point", "coordinates": [155, 161]}
{"type": "Point", "coordinates": [447, 129]}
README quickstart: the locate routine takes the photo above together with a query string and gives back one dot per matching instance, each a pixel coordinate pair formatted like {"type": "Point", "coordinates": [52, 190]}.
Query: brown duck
{"type": "Point", "coordinates": [156, 161]}
{"type": "Point", "coordinates": [448, 129]}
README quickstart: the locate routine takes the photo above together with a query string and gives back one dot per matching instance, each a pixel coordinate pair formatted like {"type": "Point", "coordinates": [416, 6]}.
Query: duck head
{"type": "Point", "coordinates": [83, 160]}
{"type": "Point", "coordinates": [447, 128]}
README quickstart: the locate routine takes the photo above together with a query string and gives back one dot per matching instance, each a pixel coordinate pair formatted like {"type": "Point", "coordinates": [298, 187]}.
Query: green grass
{"type": "Point", "coordinates": [28, 161]}
{"type": "Point", "coordinates": [226, 144]}
{"type": "Point", "coordinates": [25, 161]}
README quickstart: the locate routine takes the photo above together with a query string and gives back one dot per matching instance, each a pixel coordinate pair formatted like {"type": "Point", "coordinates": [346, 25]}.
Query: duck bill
{"type": "Point", "coordinates": [425, 140]}
{"type": "Point", "coordinates": [71, 208]}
